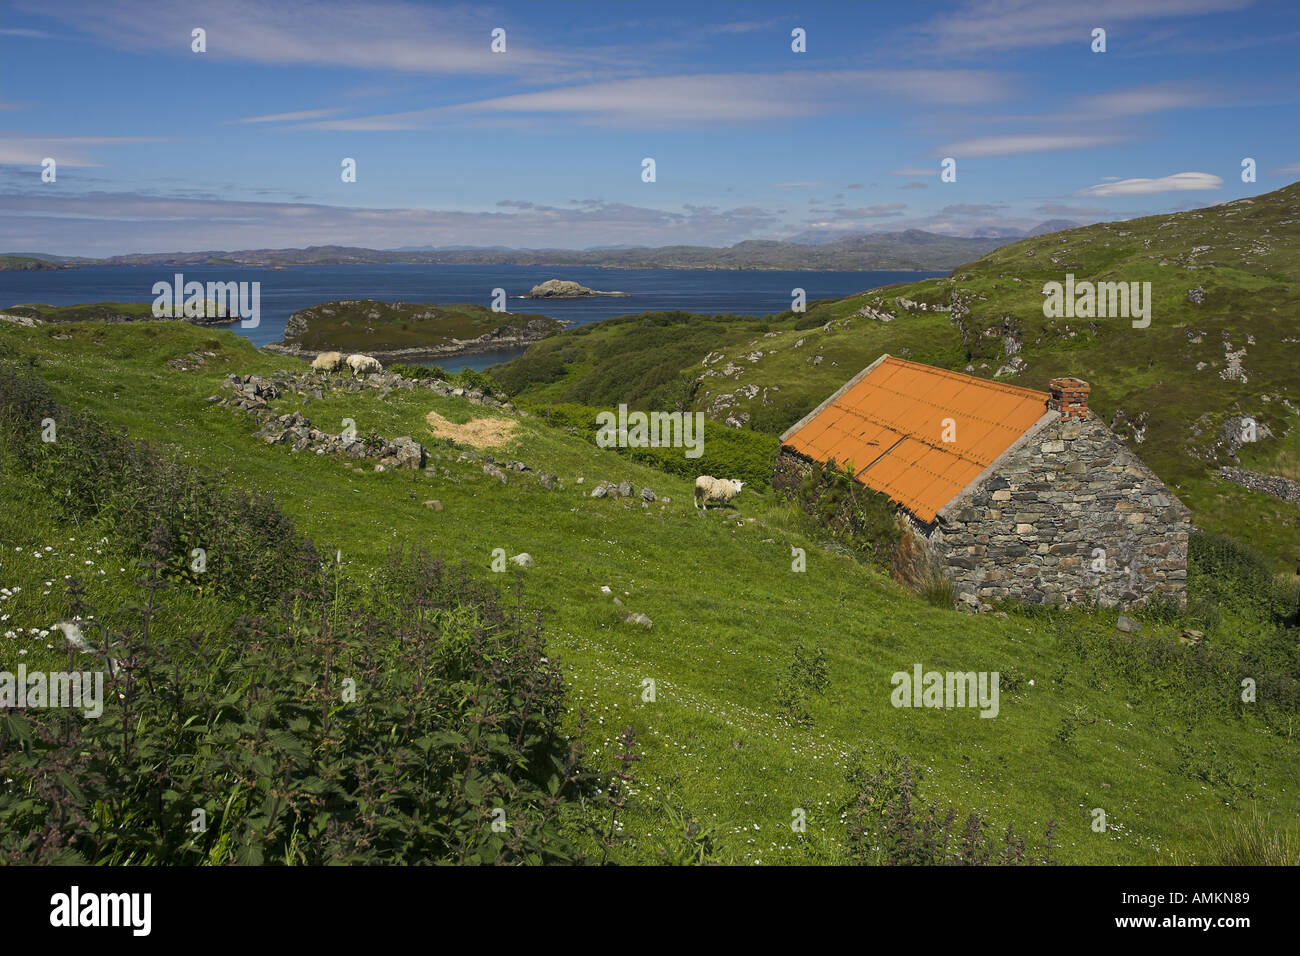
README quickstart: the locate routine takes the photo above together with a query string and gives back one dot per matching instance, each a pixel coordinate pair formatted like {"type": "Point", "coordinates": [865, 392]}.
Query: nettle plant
{"type": "Point", "coordinates": [890, 824]}
{"type": "Point", "coordinates": [417, 721]}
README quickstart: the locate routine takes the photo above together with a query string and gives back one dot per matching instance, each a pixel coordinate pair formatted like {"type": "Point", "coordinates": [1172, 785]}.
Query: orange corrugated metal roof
{"type": "Point", "coordinates": [889, 423]}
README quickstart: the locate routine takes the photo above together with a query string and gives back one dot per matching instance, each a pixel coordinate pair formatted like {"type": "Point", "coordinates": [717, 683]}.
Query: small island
{"type": "Point", "coordinates": [407, 331]}
{"type": "Point", "coordinates": [565, 289]}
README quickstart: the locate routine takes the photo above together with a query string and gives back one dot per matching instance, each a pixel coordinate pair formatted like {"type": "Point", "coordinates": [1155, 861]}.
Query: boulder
{"type": "Point", "coordinates": [1128, 625]}
{"type": "Point", "coordinates": [523, 559]}
{"type": "Point", "coordinates": [638, 618]}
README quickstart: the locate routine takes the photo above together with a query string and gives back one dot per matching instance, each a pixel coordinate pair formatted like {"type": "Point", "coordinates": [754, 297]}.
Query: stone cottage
{"type": "Point", "coordinates": [1017, 494]}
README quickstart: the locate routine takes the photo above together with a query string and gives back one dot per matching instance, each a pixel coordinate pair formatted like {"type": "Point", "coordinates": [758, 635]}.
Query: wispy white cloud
{"type": "Point", "coordinates": [289, 117]}
{"type": "Point", "coordinates": [1143, 100]}
{"type": "Point", "coordinates": [694, 99]}
{"type": "Point", "coordinates": [992, 25]}
{"type": "Point", "coordinates": [1178, 182]}
{"type": "Point", "coordinates": [64, 150]}
{"type": "Point", "coordinates": [1015, 144]}
{"type": "Point", "coordinates": [375, 34]}
{"type": "Point", "coordinates": [746, 26]}
{"type": "Point", "coordinates": [24, 32]}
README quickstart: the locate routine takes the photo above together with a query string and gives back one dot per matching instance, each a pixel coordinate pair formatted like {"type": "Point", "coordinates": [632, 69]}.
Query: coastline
{"type": "Point", "coordinates": [419, 353]}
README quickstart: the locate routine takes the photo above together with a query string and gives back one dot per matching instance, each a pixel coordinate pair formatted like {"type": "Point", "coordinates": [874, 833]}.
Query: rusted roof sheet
{"type": "Point", "coordinates": [889, 424]}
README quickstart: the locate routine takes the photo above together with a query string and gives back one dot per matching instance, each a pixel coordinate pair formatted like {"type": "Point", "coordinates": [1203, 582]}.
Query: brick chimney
{"type": "Point", "coordinates": [1069, 397]}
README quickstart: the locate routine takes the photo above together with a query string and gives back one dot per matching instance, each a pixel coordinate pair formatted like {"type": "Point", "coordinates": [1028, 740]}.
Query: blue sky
{"type": "Point", "coordinates": [160, 148]}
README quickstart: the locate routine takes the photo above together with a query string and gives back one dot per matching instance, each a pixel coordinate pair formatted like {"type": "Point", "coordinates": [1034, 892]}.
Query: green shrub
{"type": "Point", "coordinates": [807, 674]}
{"type": "Point", "coordinates": [391, 727]}
{"type": "Point", "coordinates": [863, 520]}
{"type": "Point", "coordinates": [418, 371]}
{"type": "Point", "coordinates": [1234, 575]}
{"type": "Point", "coordinates": [251, 549]}
{"type": "Point", "coordinates": [890, 825]}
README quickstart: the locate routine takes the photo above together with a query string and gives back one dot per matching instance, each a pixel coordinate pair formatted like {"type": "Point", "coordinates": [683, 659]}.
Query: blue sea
{"type": "Point", "coordinates": [284, 292]}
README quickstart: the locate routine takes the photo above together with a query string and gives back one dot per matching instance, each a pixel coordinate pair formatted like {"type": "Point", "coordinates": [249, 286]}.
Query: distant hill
{"type": "Point", "coordinates": [29, 264]}
{"type": "Point", "coordinates": [912, 250]}
{"type": "Point", "coordinates": [818, 237]}
{"type": "Point", "coordinates": [108, 312]}
{"type": "Point", "coordinates": [1052, 225]}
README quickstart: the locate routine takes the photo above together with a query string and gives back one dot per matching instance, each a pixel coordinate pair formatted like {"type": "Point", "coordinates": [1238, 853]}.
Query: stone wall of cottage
{"type": "Point", "coordinates": [1071, 516]}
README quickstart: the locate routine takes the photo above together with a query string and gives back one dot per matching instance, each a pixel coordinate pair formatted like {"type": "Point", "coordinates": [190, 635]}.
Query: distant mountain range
{"type": "Point", "coordinates": [912, 249]}
{"type": "Point", "coordinates": [826, 236]}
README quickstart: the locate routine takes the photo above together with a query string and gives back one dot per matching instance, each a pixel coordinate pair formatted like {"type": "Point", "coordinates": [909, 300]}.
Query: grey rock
{"type": "Point", "coordinates": [1128, 625]}
{"type": "Point", "coordinates": [638, 618]}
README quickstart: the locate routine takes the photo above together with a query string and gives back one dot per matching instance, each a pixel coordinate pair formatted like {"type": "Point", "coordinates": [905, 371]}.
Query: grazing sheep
{"type": "Point", "coordinates": [361, 364]}
{"type": "Point", "coordinates": [328, 362]}
{"type": "Point", "coordinates": [708, 488]}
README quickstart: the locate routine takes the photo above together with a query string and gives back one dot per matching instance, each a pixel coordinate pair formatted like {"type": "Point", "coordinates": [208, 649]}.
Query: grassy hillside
{"type": "Point", "coordinates": [28, 264]}
{"type": "Point", "coordinates": [1168, 389]}
{"type": "Point", "coordinates": [107, 312]}
{"type": "Point", "coordinates": [371, 326]}
{"type": "Point", "coordinates": [1148, 728]}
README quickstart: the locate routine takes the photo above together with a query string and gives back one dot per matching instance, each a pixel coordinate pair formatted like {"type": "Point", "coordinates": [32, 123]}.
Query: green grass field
{"type": "Point", "coordinates": [1089, 717]}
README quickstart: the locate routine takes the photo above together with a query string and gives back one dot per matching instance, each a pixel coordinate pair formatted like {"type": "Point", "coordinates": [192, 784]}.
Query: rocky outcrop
{"type": "Point", "coordinates": [254, 393]}
{"type": "Point", "coordinates": [565, 289]}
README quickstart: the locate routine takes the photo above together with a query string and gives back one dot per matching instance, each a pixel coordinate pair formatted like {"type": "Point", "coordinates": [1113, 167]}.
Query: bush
{"type": "Point", "coordinates": [252, 550]}
{"type": "Point", "coordinates": [395, 726]}
{"type": "Point", "coordinates": [862, 519]}
{"type": "Point", "coordinates": [1252, 841]}
{"type": "Point", "coordinates": [890, 825]}
{"type": "Point", "coordinates": [806, 675]}
{"type": "Point", "coordinates": [1234, 575]}
{"type": "Point", "coordinates": [418, 371]}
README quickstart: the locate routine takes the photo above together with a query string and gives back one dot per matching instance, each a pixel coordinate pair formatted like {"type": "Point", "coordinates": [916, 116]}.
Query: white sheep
{"type": "Point", "coordinates": [361, 364]}
{"type": "Point", "coordinates": [328, 362]}
{"type": "Point", "coordinates": [708, 488]}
